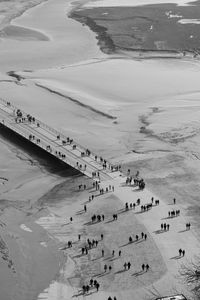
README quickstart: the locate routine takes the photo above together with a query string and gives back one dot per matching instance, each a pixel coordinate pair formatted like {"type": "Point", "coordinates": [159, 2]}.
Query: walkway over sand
{"type": "Point", "coordinates": [54, 142]}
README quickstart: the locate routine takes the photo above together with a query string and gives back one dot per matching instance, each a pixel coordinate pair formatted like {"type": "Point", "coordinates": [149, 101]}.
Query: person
{"type": "Point", "coordinates": [180, 252]}
{"type": "Point", "coordinates": [105, 268]}
{"type": "Point", "coordinates": [147, 267]}
{"type": "Point", "coordinates": [91, 282]}
{"type": "Point", "coordinates": [79, 237]}
{"type": "Point", "coordinates": [101, 236]}
{"type": "Point", "coordinates": [84, 289]}
{"type": "Point", "coordinates": [145, 236]}
{"type": "Point", "coordinates": [114, 298]}
{"type": "Point", "coordinates": [168, 227]}
{"type": "Point", "coordinates": [143, 266]}
{"type": "Point", "coordinates": [97, 286]}
{"type": "Point", "coordinates": [71, 219]}
{"type": "Point", "coordinates": [120, 252]}
{"type": "Point", "coordinates": [85, 208]}
{"type": "Point", "coordinates": [174, 201]}
{"type": "Point", "coordinates": [109, 298]}
{"type": "Point", "coordinates": [130, 239]}
{"type": "Point", "coordinates": [125, 265]}
{"type": "Point", "coordinates": [183, 252]}
{"type": "Point", "coordinates": [161, 226]}
{"type": "Point", "coordinates": [110, 268]}
{"type": "Point", "coordinates": [113, 252]}
{"type": "Point", "coordinates": [102, 253]}
{"type": "Point", "coordinates": [129, 265]}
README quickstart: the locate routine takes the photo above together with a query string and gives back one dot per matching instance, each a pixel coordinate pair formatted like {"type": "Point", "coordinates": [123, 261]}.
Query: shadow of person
{"type": "Point", "coordinates": [121, 271]}
{"type": "Point", "coordinates": [176, 257]}
{"type": "Point", "coordinates": [138, 273]}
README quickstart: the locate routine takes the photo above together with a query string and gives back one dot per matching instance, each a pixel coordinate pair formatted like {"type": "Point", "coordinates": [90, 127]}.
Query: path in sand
{"type": "Point", "coordinates": [168, 244]}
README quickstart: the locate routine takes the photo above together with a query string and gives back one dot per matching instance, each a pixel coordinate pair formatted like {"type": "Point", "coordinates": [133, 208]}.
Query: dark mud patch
{"type": "Point", "coordinates": [103, 114]}
{"type": "Point", "coordinates": [66, 191]}
{"type": "Point", "coordinates": [144, 28]}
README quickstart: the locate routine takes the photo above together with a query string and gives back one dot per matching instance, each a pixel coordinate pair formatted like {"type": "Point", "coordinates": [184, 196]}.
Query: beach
{"type": "Point", "coordinates": [140, 113]}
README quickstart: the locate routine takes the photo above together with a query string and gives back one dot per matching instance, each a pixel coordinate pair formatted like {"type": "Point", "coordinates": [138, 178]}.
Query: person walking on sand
{"type": "Point", "coordinates": [161, 226]}
{"type": "Point", "coordinates": [85, 208]}
{"type": "Point", "coordinates": [91, 282]}
{"type": "Point", "coordinates": [183, 252]}
{"type": "Point", "coordinates": [174, 201]}
{"type": "Point", "coordinates": [102, 253]}
{"type": "Point", "coordinates": [79, 237]}
{"type": "Point", "coordinates": [129, 265]}
{"type": "Point", "coordinates": [180, 252]}
{"type": "Point", "coordinates": [105, 268]}
{"type": "Point", "coordinates": [120, 252]}
{"type": "Point", "coordinates": [97, 286]}
{"type": "Point", "coordinates": [113, 252]}
{"type": "Point", "coordinates": [143, 267]}
{"type": "Point", "coordinates": [147, 267]}
{"type": "Point", "coordinates": [125, 265]}
{"type": "Point", "coordinates": [102, 236]}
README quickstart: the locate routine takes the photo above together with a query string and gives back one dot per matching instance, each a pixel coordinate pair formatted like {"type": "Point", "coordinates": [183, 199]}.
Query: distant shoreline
{"type": "Point", "coordinates": [104, 22]}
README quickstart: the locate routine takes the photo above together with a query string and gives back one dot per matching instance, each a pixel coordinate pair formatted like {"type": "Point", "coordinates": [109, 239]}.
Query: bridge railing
{"type": "Point", "coordinates": [56, 132]}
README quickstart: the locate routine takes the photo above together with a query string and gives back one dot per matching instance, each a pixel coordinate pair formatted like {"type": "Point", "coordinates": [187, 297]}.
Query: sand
{"type": "Point", "coordinates": [111, 3]}
{"type": "Point", "coordinates": [68, 41]}
{"type": "Point", "coordinates": [72, 91]}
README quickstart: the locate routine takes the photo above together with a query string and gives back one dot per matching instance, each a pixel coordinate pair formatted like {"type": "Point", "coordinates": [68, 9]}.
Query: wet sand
{"type": "Point", "coordinates": [20, 33]}
{"type": "Point", "coordinates": [139, 136]}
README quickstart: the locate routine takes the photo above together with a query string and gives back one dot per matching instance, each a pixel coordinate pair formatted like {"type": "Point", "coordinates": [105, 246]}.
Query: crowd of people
{"type": "Point", "coordinates": [107, 268]}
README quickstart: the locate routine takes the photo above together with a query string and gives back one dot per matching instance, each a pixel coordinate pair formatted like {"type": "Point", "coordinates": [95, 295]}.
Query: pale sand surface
{"type": "Point", "coordinates": [162, 153]}
{"type": "Point", "coordinates": [69, 41]}
{"type": "Point", "coordinates": [21, 33]}
{"type": "Point", "coordinates": [13, 8]}
{"type": "Point", "coordinates": [112, 3]}
{"type": "Point", "coordinates": [125, 285]}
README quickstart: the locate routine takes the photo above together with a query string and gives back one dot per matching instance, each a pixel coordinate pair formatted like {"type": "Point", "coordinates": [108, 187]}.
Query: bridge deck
{"type": "Point", "coordinates": [45, 137]}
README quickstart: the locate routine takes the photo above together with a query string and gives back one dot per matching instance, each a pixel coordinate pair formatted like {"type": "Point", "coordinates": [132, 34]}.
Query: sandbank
{"type": "Point", "coordinates": [68, 41]}
{"type": "Point", "coordinates": [112, 3]}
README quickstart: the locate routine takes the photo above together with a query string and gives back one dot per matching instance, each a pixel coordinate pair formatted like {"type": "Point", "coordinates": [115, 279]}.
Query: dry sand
{"type": "Point", "coordinates": [140, 136]}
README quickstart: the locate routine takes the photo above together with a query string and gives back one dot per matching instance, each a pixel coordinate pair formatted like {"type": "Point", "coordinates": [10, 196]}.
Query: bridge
{"type": "Point", "coordinates": [56, 143]}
